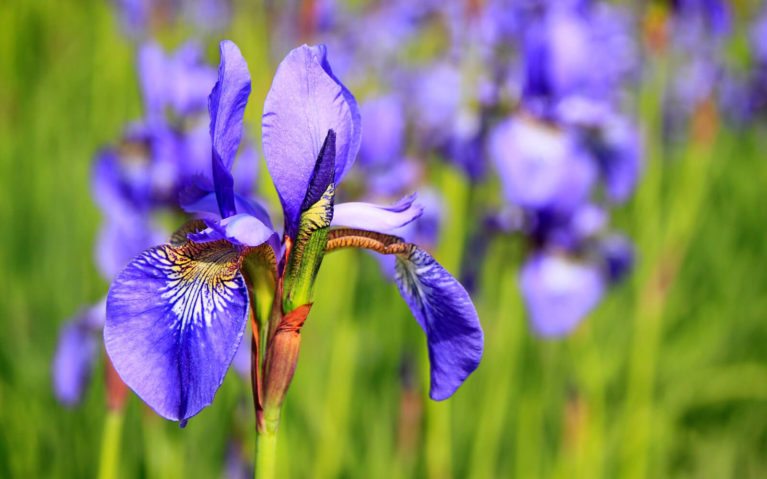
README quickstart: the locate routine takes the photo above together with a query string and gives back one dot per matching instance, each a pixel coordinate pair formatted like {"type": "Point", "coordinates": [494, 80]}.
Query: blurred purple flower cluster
{"type": "Point", "coordinates": [140, 18]}
{"type": "Point", "coordinates": [568, 154]}
{"type": "Point", "coordinates": [536, 92]}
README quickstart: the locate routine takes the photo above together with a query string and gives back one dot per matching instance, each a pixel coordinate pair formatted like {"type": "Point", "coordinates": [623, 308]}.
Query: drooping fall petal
{"type": "Point", "coordinates": [447, 315]}
{"type": "Point", "coordinates": [175, 318]}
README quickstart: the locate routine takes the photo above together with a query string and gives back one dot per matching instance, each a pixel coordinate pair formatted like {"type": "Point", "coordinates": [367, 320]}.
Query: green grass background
{"type": "Point", "coordinates": [668, 378]}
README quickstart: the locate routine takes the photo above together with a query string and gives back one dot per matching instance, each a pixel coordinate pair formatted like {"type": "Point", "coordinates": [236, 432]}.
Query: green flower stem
{"type": "Point", "coordinates": [266, 452]}
{"type": "Point", "coordinates": [110, 445]}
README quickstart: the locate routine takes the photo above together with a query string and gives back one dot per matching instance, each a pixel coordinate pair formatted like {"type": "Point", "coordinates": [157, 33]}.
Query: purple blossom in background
{"type": "Point", "coordinates": [699, 30]}
{"type": "Point", "coordinates": [758, 38]}
{"type": "Point", "coordinates": [180, 81]}
{"type": "Point", "coordinates": [540, 166]}
{"type": "Point", "coordinates": [385, 119]}
{"type": "Point", "coordinates": [140, 18]}
{"type": "Point", "coordinates": [619, 256]}
{"type": "Point", "coordinates": [437, 96]}
{"type": "Point", "coordinates": [466, 145]}
{"type": "Point", "coordinates": [572, 49]}
{"type": "Point", "coordinates": [569, 155]}
{"type": "Point", "coordinates": [743, 95]}
{"type": "Point", "coordinates": [236, 464]}
{"type": "Point", "coordinates": [559, 292]}
{"type": "Point", "coordinates": [710, 15]}
{"type": "Point", "coordinates": [76, 353]}
{"type": "Point", "coordinates": [392, 180]}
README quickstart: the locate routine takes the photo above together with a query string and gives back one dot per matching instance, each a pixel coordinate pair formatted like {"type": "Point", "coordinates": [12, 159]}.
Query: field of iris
{"type": "Point", "coordinates": [666, 377]}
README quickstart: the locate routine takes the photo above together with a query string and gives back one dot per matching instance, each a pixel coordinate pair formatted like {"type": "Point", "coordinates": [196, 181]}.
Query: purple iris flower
{"type": "Point", "coordinates": [385, 116]}
{"type": "Point", "coordinates": [176, 314]}
{"type": "Point", "coordinates": [540, 165]}
{"type": "Point", "coordinates": [437, 99]}
{"type": "Point", "coordinates": [568, 231]}
{"type": "Point", "coordinates": [559, 292]}
{"type": "Point", "coordinates": [466, 146]}
{"type": "Point", "coordinates": [550, 172]}
{"type": "Point", "coordinates": [577, 49]}
{"type": "Point", "coordinates": [76, 352]}
{"type": "Point", "coordinates": [391, 180]}
{"type": "Point", "coordinates": [613, 140]}
{"type": "Point", "coordinates": [125, 190]}
{"type": "Point", "coordinates": [558, 54]}
{"type": "Point", "coordinates": [386, 170]}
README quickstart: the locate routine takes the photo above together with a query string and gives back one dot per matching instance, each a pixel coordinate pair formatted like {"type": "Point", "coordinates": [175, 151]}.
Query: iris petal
{"type": "Point", "coordinates": [242, 229]}
{"type": "Point", "coordinates": [175, 318]}
{"type": "Point", "coordinates": [226, 106]}
{"type": "Point", "coordinates": [304, 102]}
{"type": "Point", "coordinates": [367, 216]}
{"type": "Point", "coordinates": [204, 204]}
{"type": "Point", "coordinates": [444, 310]}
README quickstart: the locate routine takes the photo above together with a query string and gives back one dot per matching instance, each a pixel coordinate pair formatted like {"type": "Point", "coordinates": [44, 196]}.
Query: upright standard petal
{"type": "Point", "coordinates": [384, 219]}
{"type": "Point", "coordinates": [444, 310]}
{"type": "Point", "coordinates": [303, 104]}
{"type": "Point", "coordinates": [175, 318]}
{"type": "Point", "coordinates": [226, 106]}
